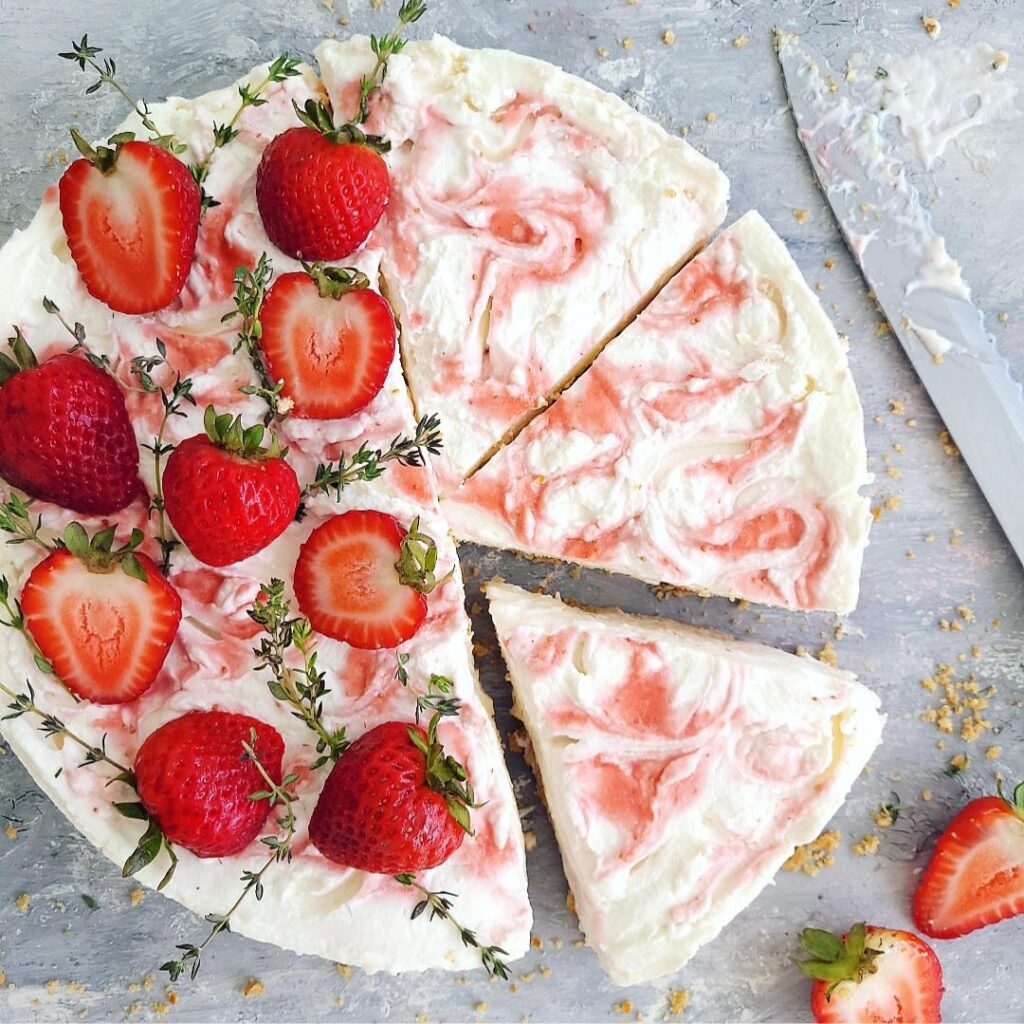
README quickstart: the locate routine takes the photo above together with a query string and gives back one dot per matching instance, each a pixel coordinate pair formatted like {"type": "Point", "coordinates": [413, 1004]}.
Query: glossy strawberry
{"type": "Point", "coordinates": [195, 780]}
{"type": "Point", "coordinates": [131, 216]}
{"type": "Point", "coordinates": [393, 802]}
{"type": "Point", "coordinates": [362, 577]}
{"type": "Point", "coordinates": [226, 495]}
{"type": "Point", "coordinates": [872, 975]}
{"type": "Point", "coordinates": [65, 435]}
{"type": "Point", "coordinates": [976, 875]}
{"type": "Point", "coordinates": [330, 338]}
{"type": "Point", "coordinates": [321, 190]}
{"type": "Point", "coordinates": [104, 618]}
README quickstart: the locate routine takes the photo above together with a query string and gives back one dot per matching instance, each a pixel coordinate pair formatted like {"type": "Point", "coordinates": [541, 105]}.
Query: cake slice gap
{"type": "Point", "coordinates": [680, 767]}
{"type": "Point", "coordinates": [717, 444]}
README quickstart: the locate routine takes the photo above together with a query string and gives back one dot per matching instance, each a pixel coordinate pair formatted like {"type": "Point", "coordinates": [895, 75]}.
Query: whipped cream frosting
{"type": "Point", "coordinates": [680, 767]}
{"type": "Point", "coordinates": [311, 905]}
{"type": "Point", "coordinates": [717, 444]}
{"type": "Point", "coordinates": [531, 214]}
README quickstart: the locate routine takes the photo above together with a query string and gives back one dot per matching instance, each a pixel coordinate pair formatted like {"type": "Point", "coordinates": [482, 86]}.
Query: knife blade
{"type": "Point", "coordinates": [918, 286]}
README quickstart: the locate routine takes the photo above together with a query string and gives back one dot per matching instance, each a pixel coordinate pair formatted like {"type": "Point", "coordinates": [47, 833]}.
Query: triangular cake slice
{"type": "Point", "coordinates": [531, 213]}
{"type": "Point", "coordinates": [309, 905]}
{"type": "Point", "coordinates": [680, 768]}
{"type": "Point", "coordinates": [717, 444]}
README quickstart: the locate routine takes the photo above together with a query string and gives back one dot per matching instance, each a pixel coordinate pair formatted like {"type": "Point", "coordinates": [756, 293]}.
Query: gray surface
{"type": "Point", "coordinates": [892, 640]}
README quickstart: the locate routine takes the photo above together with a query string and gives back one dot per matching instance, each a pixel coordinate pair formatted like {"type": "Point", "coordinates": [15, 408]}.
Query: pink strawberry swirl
{"type": "Point", "coordinates": [682, 455]}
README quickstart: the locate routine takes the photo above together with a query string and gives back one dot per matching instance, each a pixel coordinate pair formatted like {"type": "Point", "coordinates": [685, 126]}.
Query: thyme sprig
{"type": "Point", "coordinates": [252, 881]}
{"type": "Point", "coordinates": [16, 519]}
{"type": "Point", "coordinates": [173, 400]}
{"type": "Point", "coordinates": [303, 688]}
{"type": "Point", "coordinates": [283, 67]}
{"type": "Point", "coordinates": [417, 562]}
{"type": "Point", "coordinates": [77, 331]}
{"type": "Point", "coordinates": [152, 841]}
{"type": "Point", "coordinates": [440, 905]}
{"type": "Point", "coordinates": [16, 620]}
{"type": "Point", "coordinates": [383, 48]}
{"type": "Point", "coordinates": [84, 56]}
{"type": "Point", "coordinates": [369, 463]}
{"type": "Point", "coordinates": [250, 291]}
{"type": "Point", "coordinates": [436, 699]}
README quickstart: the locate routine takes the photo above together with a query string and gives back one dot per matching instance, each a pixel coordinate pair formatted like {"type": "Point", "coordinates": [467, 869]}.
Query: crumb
{"type": "Point", "coordinates": [912, 422]}
{"type": "Point", "coordinates": [147, 981]}
{"type": "Point", "coordinates": [557, 943]}
{"type": "Point", "coordinates": [926, 795]}
{"type": "Point", "coordinates": [253, 989]}
{"type": "Point", "coordinates": [344, 970]}
{"type": "Point", "coordinates": [624, 1007]}
{"type": "Point", "coordinates": [536, 942]}
{"type": "Point", "coordinates": [711, 118]}
{"type": "Point", "coordinates": [172, 996]}
{"type": "Point", "coordinates": [896, 406]}
{"type": "Point", "coordinates": [827, 655]}
{"type": "Point", "coordinates": [134, 986]}
{"type": "Point", "coordinates": [893, 502]}
{"type": "Point", "coordinates": [602, 51]}
{"type": "Point", "coordinates": [740, 41]}
{"type": "Point", "coordinates": [668, 37]}
{"type": "Point", "coordinates": [994, 752]}
{"type": "Point", "coordinates": [876, 513]}
{"type": "Point", "coordinates": [965, 613]}
{"type": "Point", "coordinates": [975, 651]}
{"type": "Point", "coordinates": [161, 1008]}
{"type": "Point", "coordinates": [10, 831]}
{"type": "Point", "coordinates": [22, 902]}
{"type": "Point", "coordinates": [570, 903]}
{"type": "Point", "coordinates": [946, 440]}
{"type": "Point", "coordinates": [51, 987]}
{"type": "Point", "coordinates": [480, 1007]}
{"type": "Point", "coordinates": [530, 840]}
{"type": "Point", "coordinates": [3, 977]}
{"type": "Point", "coordinates": [678, 998]}
{"type": "Point", "coordinates": [959, 763]}
{"type": "Point", "coordinates": [929, 538]}
{"type": "Point", "coordinates": [529, 977]}
{"type": "Point", "coordinates": [829, 264]}
{"type": "Point", "coordinates": [812, 857]}
{"type": "Point", "coordinates": [578, 943]}
{"type": "Point", "coordinates": [801, 216]}
{"type": "Point", "coordinates": [545, 971]}
{"type": "Point", "coordinates": [910, 555]}
{"type": "Point", "coordinates": [136, 896]}
{"type": "Point", "coordinates": [1003, 317]}
{"type": "Point", "coordinates": [627, 43]}
{"type": "Point", "coordinates": [422, 1018]}
{"type": "Point", "coordinates": [955, 537]}
{"type": "Point", "coordinates": [954, 3]}
{"type": "Point", "coordinates": [867, 847]}
{"type": "Point", "coordinates": [932, 27]}
{"type": "Point", "coordinates": [894, 472]}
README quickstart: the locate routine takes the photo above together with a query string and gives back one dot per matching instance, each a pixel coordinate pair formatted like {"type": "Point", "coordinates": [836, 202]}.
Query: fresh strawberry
{"type": "Point", "coordinates": [226, 495]}
{"type": "Point", "coordinates": [320, 189]}
{"type": "Point", "coordinates": [976, 875]}
{"type": "Point", "coordinates": [196, 780]}
{"type": "Point", "coordinates": [131, 216]}
{"type": "Point", "coordinates": [872, 975]}
{"type": "Point", "coordinates": [394, 802]}
{"type": "Point", "coordinates": [104, 618]}
{"type": "Point", "coordinates": [65, 435]}
{"type": "Point", "coordinates": [329, 338]}
{"type": "Point", "coordinates": [362, 577]}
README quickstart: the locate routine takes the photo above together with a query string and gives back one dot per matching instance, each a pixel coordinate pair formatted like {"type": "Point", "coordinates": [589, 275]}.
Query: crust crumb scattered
{"type": "Point", "coordinates": [570, 905]}
{"type": "Point", "coordinates": [668, 37]}
{"type": "Point", "coordinates": [740, 41]}
{"type": "Point", "coordinates": [931, 26]}
{"type": "Point", "coordinates": [624, 1007]}
{"type": "Point", "coordinates": [812, 857]}
{"type": "Point", "coordinates": [22, 902]}
{"type": "Point", "coordinates": [867, 847]}
{"type": "Point", "coordinates": [801, 216]}
{"type": "Point", "coordinates": [253, 989]}
{"type": "Point", "coordinates": [136, 896]}
{"type": "Point", "coordinates": [530, 840]}
{"type": "Point", "coordinates": [678, 999]}
{"type": "Point", "coordinates": [344, 970]}
{"type": "Point", "coordinates": [480, 1007]}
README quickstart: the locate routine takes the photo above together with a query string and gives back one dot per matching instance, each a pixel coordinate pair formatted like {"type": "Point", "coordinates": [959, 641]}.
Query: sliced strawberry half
{"type": "Point", "coordinates": [330, 338]}
{"type": "Point", "coordinates": [872, 975]}
{"type": "Point", "coordinates": [362, 577]}
{"type": "Point", "coordinates": [104, 619]}
{"type": "Point", "coordinates": [976, 875]}
{"type": "Point", "coordinates": [131, 216]}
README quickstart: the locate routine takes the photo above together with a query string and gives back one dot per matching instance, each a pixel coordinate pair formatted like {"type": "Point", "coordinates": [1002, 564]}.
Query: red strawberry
{"type": "Point", "coordinates": [104, 619]}
{"type": "Point", "coordinates": [976, 875]}
{"type": "Point", "coordinates": [65, 435]}
{"type": "Point", "coordinates": [872, 975]}
{"type": "Point", "coordinates": [226, 495]}
{"type": "Point", "coordinates": [195, 780]}
{"type": "Point", "coordinates": [321, 190]}
{"type": "Point", "coordinates": [362, 577]}
{"type": "Point", "coordinates": [131, 216]}
{"type": "Point", "coordinates": [329, 338]}
{"type": "Point", "coordinates": [394, 802]}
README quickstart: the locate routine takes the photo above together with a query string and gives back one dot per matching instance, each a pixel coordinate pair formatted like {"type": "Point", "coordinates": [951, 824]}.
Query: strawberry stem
{"type": "Point", "coordinates": [837, 959]}
{"type": "Point", "coordinates": [440, 905]}
{"type": "Point", "coordinates": [334, 282]}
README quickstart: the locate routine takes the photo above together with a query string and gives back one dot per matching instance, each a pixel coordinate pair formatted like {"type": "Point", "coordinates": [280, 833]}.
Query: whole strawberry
{"type": "Point", "coordinates": [65, 435]}
{"type": "Point", "coordinates": [393, 802]}
{"type": "Point", "coordinates": [131, 217]}
{"type": "Point", "coordinates": [195, 780]}
{"type": "Point", "coordinates": [226, 495]}
{"type": "Point", "coordinates": [321, 190]}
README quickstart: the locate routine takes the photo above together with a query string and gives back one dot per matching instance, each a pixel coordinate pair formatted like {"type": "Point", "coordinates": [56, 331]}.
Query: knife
{"type": "Point", "coordinates": [917, 284]}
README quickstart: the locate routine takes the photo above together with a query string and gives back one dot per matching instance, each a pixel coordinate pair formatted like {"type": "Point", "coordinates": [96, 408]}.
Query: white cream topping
{"type": "Point", "coordinates": [531, 213]}
{"type": "Point", "coordinates": [716, 444]}
{"type": "Point", "coordinates": [311, 905]}
{"type": "Point", "coordinates": [680, 768]}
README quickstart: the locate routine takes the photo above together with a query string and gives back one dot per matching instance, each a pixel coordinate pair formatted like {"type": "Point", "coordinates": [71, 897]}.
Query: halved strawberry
{"type": "Point", "coordinates": [104, 619]}
{"type": "Point", "coordinates": [131, 216]}
{"type": "Point", "coordinates": [330, 338]}
{"type": "Point", "coordinates": [362, 577]}
{"type": "Point", "coordinates": [976, 875]}
{"type": "Point", "coordinates": [872, 975]}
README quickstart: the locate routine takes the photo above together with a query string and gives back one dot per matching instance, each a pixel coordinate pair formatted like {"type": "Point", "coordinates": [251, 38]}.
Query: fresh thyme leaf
{"type": "Point", "coordinates": [368, 464]}
{"type": "Point", "coordinates": [417, 562]}
{"type": "Point", "coordinates": [880, 72]}
{"type": "Point", "coordinates": [78, 333]}
{"type": "Point", "coordinates": [436, 698]}
{"type": "Point", "coordinates": [440, 904]}
{"type": "Point", "coordinates": [250, 291]}
{"type": "Point", "coordinates": [252, 881]}
{"type": "Point", "coordinates": [384, 47]}
{"type": "Point", "coordinates": [89, 901]}
{"type": "Point", "coordinates": [16, 519]}
{"type": "Point", "coordinates": [303, 688]}
{"type": "Point", "coordinates": [15, 620]}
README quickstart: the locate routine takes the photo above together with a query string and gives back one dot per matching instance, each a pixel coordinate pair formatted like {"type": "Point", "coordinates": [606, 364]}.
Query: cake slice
{"type": "Point", "coordinates": [310, 904]}
{"type": "Point", "coordinates": [531, 214]}
{"type": "Point", "coordinates": [717, 444]}
{"type": "Point", "coordinates": [680, 767]}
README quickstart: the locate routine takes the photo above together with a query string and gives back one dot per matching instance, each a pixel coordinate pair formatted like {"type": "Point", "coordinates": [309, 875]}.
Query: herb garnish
{"type": "Point", "coordinates": [16, 620]}
{"type": "Point", "coordinates": [252, 881]}
{"type": "Point", "coordinates": [436, 699]}
{"type": "Point", "coordinates": [16, 519]}
{"type": "Point", "coordinates": [384, 47]}
{"type": "Point", "coordinates": [78, 333]}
